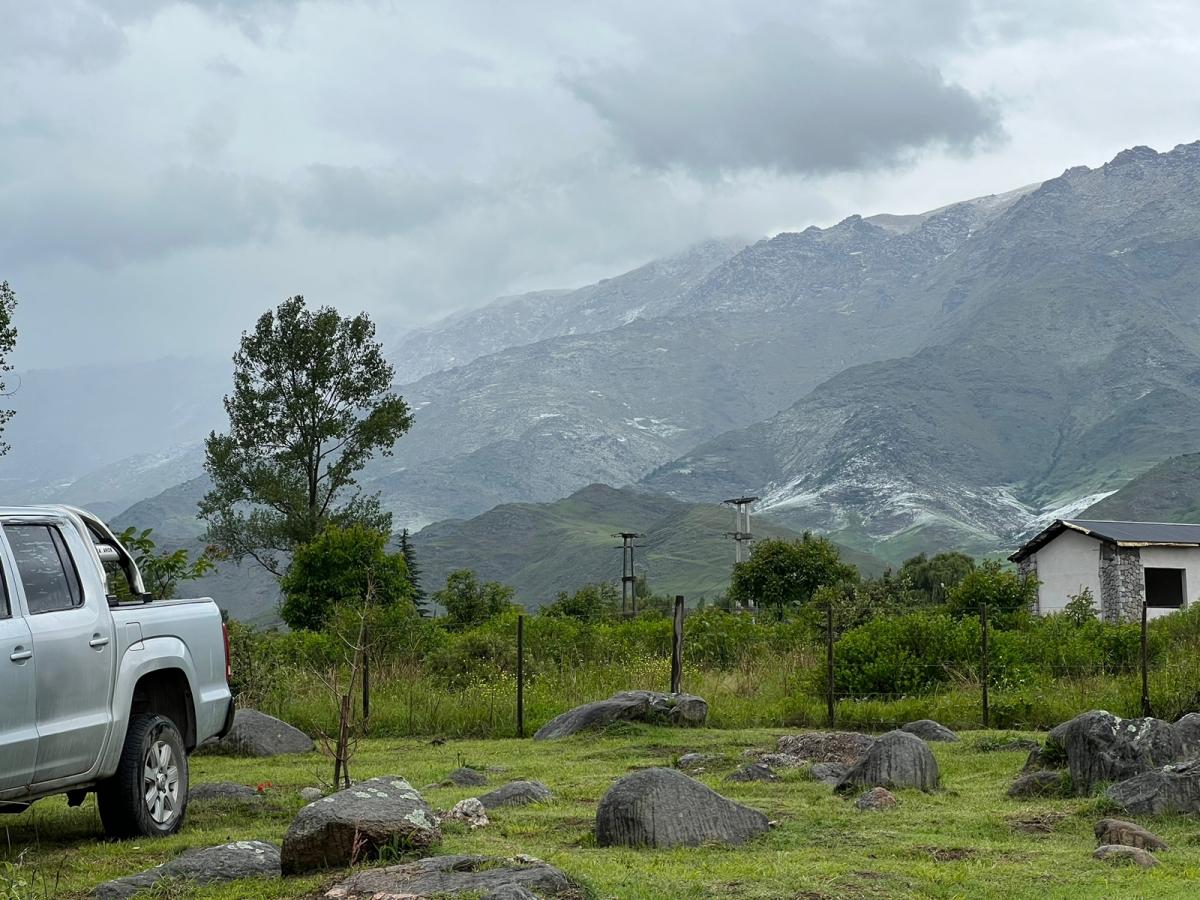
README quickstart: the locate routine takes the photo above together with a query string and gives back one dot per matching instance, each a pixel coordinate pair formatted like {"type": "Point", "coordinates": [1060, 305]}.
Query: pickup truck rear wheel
{"type": "Point", "coordinates": [148, 795]}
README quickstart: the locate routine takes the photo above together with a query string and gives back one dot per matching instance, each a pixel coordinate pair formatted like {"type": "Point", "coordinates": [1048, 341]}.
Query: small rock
{"type": "Point", "coordinates": [877, 799]}
{"type": "Point", "coordinates": [897, 759]}
{"type": "Point", "coordinates": [1116, 853]}
{"type": "Point", "coordinates": [1127, 834]}
{"type": "Point", "coordinates": [467, 777]}
{"type": "Point", "coordinates": [1038, 784]}
{"type": "Point", "coordinates": [828, 773]}
{"type": "Point", "coordinates": [665, 808]}
{"type": "Point", "coordinates": [470, 812]}
{"type": "Point", "coordinates": [520, 878]}
{"type": "Point", "coordinates": [227, 862]}
{"type": "Point", "coordinates": [223, 792]}
{"type": "Point", "coordinates": [309, 794]}
{"type": "Point", "coordinates": [845, 747]}
{"type": "Point", "coordinates": [517, 793]}
{"type": "Point", "coordinates": [693, 762]}
{"type": "Point", "coordinates": [929, 730]}
{"type": "Point", "coordinates": [752, 772]}
{"type": "Point", "coordinates": [780, 760]}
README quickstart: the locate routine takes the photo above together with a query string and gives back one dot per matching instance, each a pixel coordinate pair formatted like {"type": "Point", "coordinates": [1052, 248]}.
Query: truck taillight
{"type": "Point", "coordinates": [228, 660]}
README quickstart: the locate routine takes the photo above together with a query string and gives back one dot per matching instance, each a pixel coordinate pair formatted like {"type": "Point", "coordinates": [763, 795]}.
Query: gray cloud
{"type": "Point", "coordinates": [784, 100]}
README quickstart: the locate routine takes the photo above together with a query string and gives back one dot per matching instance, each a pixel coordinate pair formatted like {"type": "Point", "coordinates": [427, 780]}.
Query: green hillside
{"type": "Point", "coordinates": [1169, 492]}
{"type": "Point", "coordinates": [543, 548]}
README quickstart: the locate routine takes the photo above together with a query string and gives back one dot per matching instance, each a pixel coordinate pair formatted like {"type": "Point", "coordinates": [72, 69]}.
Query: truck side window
{"type": "Point", "coordinates": [46, 568]}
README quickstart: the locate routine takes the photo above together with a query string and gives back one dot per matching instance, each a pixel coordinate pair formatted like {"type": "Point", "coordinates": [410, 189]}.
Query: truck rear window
{"type": "Point", "coordinates": [45, 566]}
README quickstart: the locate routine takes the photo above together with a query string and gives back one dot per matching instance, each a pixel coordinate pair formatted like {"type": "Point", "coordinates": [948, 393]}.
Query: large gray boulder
{"type": "Point", "coordinates": [842, 747]}
{"type": "Point", "coordinates": [628, 706]}
{"type": "Point", "coordinates": [354, 824]}
{"type": "Point", "coordinates": [227, 862]}
{"type": "Point", "coordinates": [665, 808]}
{"type": "Point", "coordinates": [257, 734]}
{"type": "Point", "coordinates": [516, 793]}
{"type": "Point", "coordinates": [1100, 747]}
{"type": "Point", "coordinates": [450, 876]}
{"type": "Point", "coordinates": [896, 760]}
{"type": "Point", "coordinates": [929, 730]}
{"type": "Point", "coordinates": [1170, 789]}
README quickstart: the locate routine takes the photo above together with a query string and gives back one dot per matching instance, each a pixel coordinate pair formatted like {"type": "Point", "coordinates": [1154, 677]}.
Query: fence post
{"type": "Point", "coordinates": [366, 679]}
{"type": "Point", "coordinates": [1145, 662]}
{"type": "Point", "coordinates": [677, 648]}
{"type": "Point", "coordinates": [983, 668]}
{"type": "Point", "coordinates": [520, 676]}
{"type": "Point", "coordinates": [829, 713]}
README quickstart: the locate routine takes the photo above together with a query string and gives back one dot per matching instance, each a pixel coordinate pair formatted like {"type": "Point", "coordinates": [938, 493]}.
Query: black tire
{"type": "Point", "coordinates": [127, 808]}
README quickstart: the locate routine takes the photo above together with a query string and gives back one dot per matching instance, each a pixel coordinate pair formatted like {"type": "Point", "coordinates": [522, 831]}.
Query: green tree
{"type": "Point", "coordinates": [161, 572]}
{"type": "Point", "coordinates": [342, 567]}
{"type": "Point", "coordinates": [311, 405]}
{"type": "Point", "coordinates": [414, 572]}
{"type": "Point", "coordinates": [1003, 590]}
{"type": "Point", "coordinates": [1081, 607]}
{"type": "Point", "coordinates": [469, 603]}
{"type": "Point", "coordinates": [935, 576]}
{"type": "Point", "coordinates": [8, 340]}
{"type": "Point", "coordinates": [782, 575]}
{"type": "Point", "coordinates": [591, 603]}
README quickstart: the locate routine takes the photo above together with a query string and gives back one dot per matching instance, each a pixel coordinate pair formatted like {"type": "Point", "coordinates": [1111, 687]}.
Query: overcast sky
{"type": "Point", "coordinates": [168, 170]}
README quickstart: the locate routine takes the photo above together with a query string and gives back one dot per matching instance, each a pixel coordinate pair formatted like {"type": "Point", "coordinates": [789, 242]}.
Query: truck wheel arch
{"type": "Point", "coordinates": [166, 692]}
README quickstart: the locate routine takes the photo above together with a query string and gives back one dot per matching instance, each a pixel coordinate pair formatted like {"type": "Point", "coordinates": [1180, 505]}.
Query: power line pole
{"type": "Point", "coordinates": [741, 534]}
{"type": "Point", "coordinates": [628, 578]}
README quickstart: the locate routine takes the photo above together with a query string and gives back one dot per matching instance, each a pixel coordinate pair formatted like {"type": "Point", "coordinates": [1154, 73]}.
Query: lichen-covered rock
{"type": "Point", "coordinates": [1100, 747]}
{"type": "Point", "coordinates": [876, 799]}
{"type": "Point", "coordinates": [469, 812]}
{"type": "Point", "coordinates": [257, 734]}
{"type": "Point", "coordinates": [896, 760]}
{"type": "Point", "coordinates": [227, 862]}
{"type": "Point", "coordinates": [309, 794]}
{"type": "Point", "coordinates": [1041, 783]}
{"type": "Point", "coordinates": [519, 878]}
{"type": "Point", "coordinates": [517, 793]}
{"type": "Point", "coordinates": [1116, 853]}
{"type": "Point", "coordinates": [752, 772]}
{"type": "Point", "coordinates": [354, 824]}
{"type": "Point", "coordinates": [1170, 789]}
{"type": "Point", "coordinates": [844, 747]}
{"type": "Point", "coordinates": [665, 808]}
{"type": "Point", "coordinates": [1128, 834]}
{"type": "Point", "coordinates": [929, 730]}
{"type": "Point", "coordinates": [627, 706]}
{"type": "Point", "coordinates": [465, 776]}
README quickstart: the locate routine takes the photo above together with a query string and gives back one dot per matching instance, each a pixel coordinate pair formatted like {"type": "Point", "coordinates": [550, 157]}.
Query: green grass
{"type": "Point", "coordinates": [960, 842]}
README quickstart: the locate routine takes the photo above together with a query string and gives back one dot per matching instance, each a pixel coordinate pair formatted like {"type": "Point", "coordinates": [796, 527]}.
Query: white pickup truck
{"type": "Point", "coordinates": [99, 694]}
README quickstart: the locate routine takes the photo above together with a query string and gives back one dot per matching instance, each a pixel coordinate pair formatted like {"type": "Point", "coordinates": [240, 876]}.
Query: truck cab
{"type": "Point", "coordinates": [98, 694]}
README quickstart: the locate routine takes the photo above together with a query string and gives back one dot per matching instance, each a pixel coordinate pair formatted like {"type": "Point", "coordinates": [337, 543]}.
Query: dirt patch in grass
{"type": "Point", "coordinates": [1036, 823]}
{"type": "Point", "coordinates": [947, 854]}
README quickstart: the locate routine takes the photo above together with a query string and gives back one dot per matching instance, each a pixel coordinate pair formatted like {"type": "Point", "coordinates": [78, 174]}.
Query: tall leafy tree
{"type": "Point", "coordinates": [781, 575]}
{"type": "Point", "coordinates": [8, 340]}
{"type": "Point", "coordinates": [311, 405]}
{"type": "Point", "coordinates": [936, 576]}
{"type": "Point", "coordinates": [469, 603]}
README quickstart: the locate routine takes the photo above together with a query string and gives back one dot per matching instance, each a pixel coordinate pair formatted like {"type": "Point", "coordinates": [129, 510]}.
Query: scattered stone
{"type": "Point", "coordinates": [1116, 853]}
{"type": "Point", "coordinates": [898, 760]}
{"type": "Point", "coordinates": [828, 773]}
{"type": "Point", "coordinates": [1038, 823]}
{"type": "Point", "coordinates": [257, 734]}
{"type": "Point", "coordinates": [1127, 834]}
{"type": "Point", "coordinates": [779, 760]}
{"type": "Point", "coordinates": [517, 793]}
{"type": "Point", "coordinates": [353, 824]}
{"type": "Point", "coordinates": [877, 799]}
{"type": "Point", "coordinates": [223, 792]}
{"type": "Point", "coordinates": [228, 862]}
{"type": "Point", "coordinates": [665, 808]}
{"type": "Point", "coordinates": [1100, 747]}
{"type": "Point", "coordinates": [752, 772]}
{"type": "Point", "coordinates": [309, 794]}
{"type": "Point", "coordinates": [627, 706]}
{"type": "Point", "coordinates": [697, 762]}
{"type": "Point", "coordinates": [929, 730]}
{"type": "Point", "coordinates": [466, 777]}
{"type": "Point", "coordinates": [1170, 789]}
{"type": "Point", "coordinates": [845, 747]}
{"type": "Point", "coordinates": [1043, 783]}
{"type": "Point", "coordinates": [470, 812]}
{"type": "Point", "coordinates": [519, 878]}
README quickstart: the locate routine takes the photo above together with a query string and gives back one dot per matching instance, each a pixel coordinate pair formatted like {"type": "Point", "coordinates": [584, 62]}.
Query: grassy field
{"type": "Point", "coordinates": [969, 840]}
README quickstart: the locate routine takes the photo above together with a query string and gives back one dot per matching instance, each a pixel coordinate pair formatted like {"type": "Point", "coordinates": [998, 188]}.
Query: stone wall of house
{"type": "Point", "coordinates": [1122, 583]}
{"type": "Point", "coordinates": [1027, 568]}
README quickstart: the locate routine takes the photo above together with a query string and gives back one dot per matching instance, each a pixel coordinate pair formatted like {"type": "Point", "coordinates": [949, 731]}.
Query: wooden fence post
{"type": "Point", "coordinates": [677, 648]}
{"type": "Point", "coordinates": [1145, 663]}
{"type": "Point", "coordinates": [520, 676]}
{"type": "Point", "coordinates": [829, 687]}
{"type": "Point", "coordinates": [983, 668]}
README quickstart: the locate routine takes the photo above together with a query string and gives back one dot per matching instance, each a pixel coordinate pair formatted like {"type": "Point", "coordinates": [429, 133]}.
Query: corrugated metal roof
{"type": "Point", "coordinates": [1168, 533]}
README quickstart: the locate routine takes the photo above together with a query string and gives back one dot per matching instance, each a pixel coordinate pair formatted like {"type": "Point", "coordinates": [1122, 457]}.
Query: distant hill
{"type": "Point", "coordinates": [543, 548]}
{"type": "Point", "coordinates": [1169, 492]}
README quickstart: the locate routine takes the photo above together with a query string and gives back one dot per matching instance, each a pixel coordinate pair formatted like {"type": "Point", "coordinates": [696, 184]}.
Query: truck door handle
{"type": "Point", "coordinates": [20, 654]}
{"type": "Point", "coordinates": [97, 641]}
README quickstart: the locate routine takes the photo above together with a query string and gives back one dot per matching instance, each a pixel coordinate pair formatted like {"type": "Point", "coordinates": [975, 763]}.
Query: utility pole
{"type": "Point", "coordinates": [741, 534]}
{"type": "Point", "coordinates": [628, 578]}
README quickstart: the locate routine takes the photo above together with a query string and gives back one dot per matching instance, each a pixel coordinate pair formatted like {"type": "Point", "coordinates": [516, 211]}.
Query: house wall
{"type": "Point", "coordinates": [1187, 558]}
{"type": "Point", "coordinates": [1069, 562]}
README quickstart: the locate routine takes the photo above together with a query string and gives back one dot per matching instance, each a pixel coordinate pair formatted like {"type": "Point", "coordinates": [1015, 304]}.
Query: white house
{"type": "Point", "coordinates": [1123, 563]}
